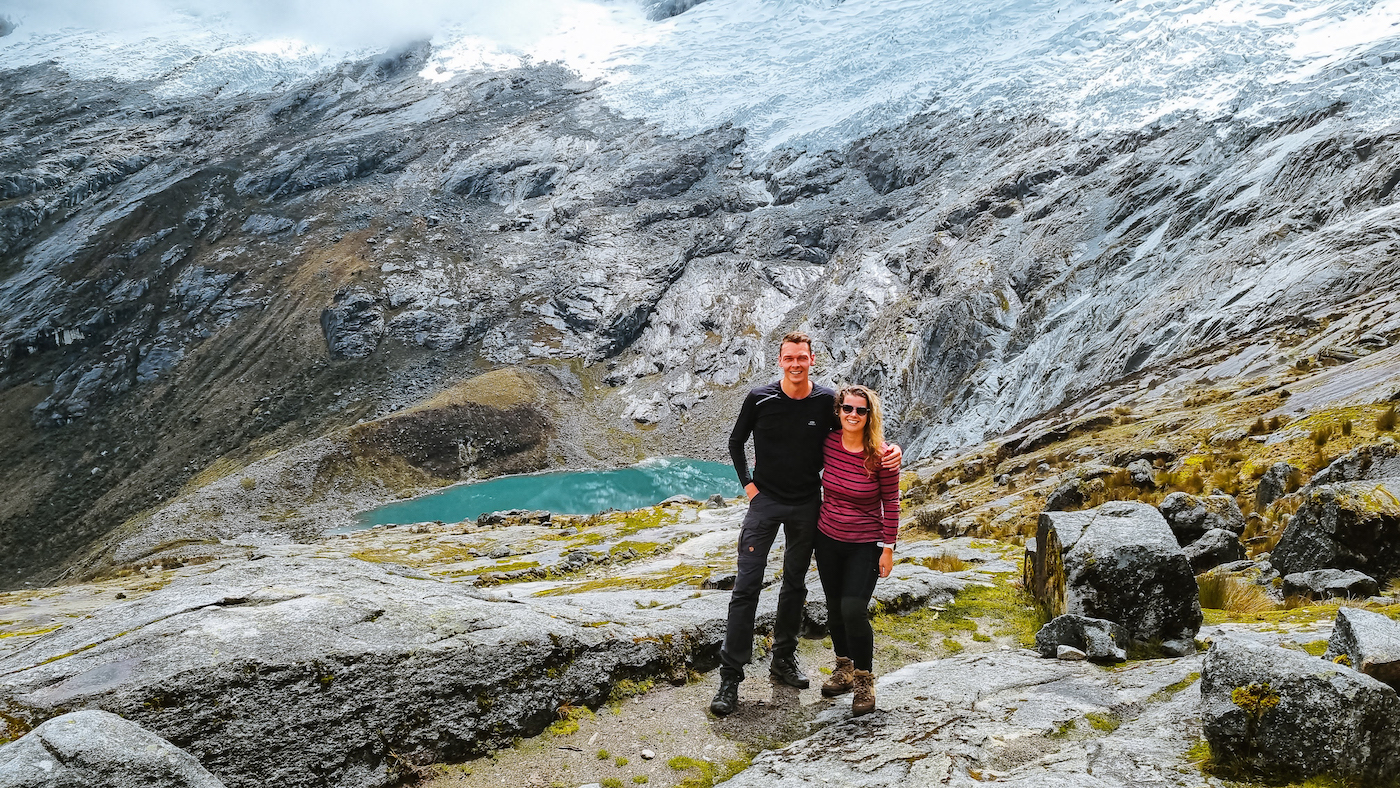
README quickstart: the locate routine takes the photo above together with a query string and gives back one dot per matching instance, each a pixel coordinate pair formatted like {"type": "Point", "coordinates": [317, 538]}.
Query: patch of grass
{"type": "Point", "coordinates": [568, 719]}
{"type": "Point", "coordinates": [248, 483]}
{"type": "Point", "coordinates": [24, 633]}
{"type": "Point", "coordinates": [1316, 648]}
{"type": "Point", "coordinates": [947, 562]}
{"type": "Point", "coordinates": [642, 548]}
{"type": "Point", "coordinates": [611, 782]}
{"type": "Point", "coordinates": [620, 761]}
{"type": "Point", "coordinates": [1063, 730]}
{"type": "Point", "coordinates": [1105, 723]}
{"type": "Point", "coordinates": [603, 755]}
{"type": "Point", "coordinates": [1387, 420]}
{"type": "Point", "coordinates": [706, 774]}
{"type": "Point", "coordinates": [1223, 592]}
{"type": "Point", "coordinates": [683, 573]}
{"type": "Point", "coordinates": [1004, 607]}
{"type": "Point", "coordinates": [626, 688]}
{"type": "Point", "coordinates": [639, 779]}
{"type": "Point", "coordinates": [1168, 691]}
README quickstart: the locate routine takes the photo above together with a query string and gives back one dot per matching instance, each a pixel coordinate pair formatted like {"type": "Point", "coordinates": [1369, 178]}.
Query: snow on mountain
{"type": "Point", "coordinates": [803, 72]}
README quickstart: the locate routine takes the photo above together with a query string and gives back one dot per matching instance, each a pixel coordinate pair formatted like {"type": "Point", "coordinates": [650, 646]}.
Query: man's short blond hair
{"type": "Point", "coordinates": [796, 338]}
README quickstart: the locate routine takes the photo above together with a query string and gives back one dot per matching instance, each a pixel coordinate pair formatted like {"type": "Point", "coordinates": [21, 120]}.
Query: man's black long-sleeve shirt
{"type": "Point", "coordinates": [787, 441]}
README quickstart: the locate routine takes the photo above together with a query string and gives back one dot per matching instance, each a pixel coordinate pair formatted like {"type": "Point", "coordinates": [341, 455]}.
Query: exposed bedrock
{"type": "Point", "coordinates": [97, 749]}
{"type": "Point", "coordinates": [302, 671]}
{"type": "Point", "coordinates": [188, 282]}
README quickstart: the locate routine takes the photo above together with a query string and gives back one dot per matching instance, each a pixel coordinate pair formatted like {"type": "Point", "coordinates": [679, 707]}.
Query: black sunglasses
{"type": "Point", "coordinates": [859, 410]}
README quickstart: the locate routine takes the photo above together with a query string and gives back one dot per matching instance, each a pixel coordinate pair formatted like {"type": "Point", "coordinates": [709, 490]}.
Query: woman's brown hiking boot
{"type": "Point", "coordinates": [842, 678]}
{"type": "Point", "coordinates": [863, 702]}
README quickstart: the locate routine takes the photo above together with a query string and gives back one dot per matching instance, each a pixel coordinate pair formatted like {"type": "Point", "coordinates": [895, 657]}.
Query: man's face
{"type": "Point", "coordinates": [795, 359]}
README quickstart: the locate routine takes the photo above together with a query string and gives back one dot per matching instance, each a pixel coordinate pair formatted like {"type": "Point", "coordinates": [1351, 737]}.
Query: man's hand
{"type": "Point", "coordinates": [750, 490]}
{"type": "Point", "coordinates": [886, 561]}
{"type": "Point", "coordinates": [891, 459]}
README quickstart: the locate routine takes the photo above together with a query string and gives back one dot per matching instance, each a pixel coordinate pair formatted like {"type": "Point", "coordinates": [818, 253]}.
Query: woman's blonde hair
{"type": "Point", "coordinates": [874, 438]}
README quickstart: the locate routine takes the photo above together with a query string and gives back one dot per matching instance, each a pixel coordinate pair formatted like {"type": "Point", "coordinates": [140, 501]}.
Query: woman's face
{"type": "Point", "coordinates": [852, 417]}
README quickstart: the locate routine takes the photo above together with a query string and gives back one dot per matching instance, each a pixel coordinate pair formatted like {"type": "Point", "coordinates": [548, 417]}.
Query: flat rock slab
{"type": "Point", "coordinates": [95, 749]}
{"type": "Point", "coordinates": [306, 671]}
{"type": "Point", "coordinates": [1007, 716]}
{"type": "Point", "coordinates": [1370, 641]}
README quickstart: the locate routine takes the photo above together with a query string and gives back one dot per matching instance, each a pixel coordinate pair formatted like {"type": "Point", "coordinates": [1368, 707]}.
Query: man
{"type": "Point", "coordinates": [788, 419]}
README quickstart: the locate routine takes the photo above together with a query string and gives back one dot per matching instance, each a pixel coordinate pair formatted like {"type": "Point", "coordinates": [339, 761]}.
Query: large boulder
{"type": "Point", "coordinates": [1217, 546]}
{"type": "Point", "coordinates": [1099, 640]}
{"type": "Point", "coordinates": [1370, 642]}
{"type": "Point", "coordinates": [1285, 715]}
{"type": "Point", "coordinates": [1355, 525]}
{"type": "Point", "coordinates": [1120, 562]}
{"type": "Point", "coordinates": [96, 749]}
{"type": "Point", "coordinates": [1377, 461]}
{"type": "Point", "coordinates": [1077, 487]}
{"type": "Point", "coordinates": [1190, 516]}
{"type": "Point", "coordinates": [1274, 484]}
{"type": "Point", "coordinates": [1327, 583]}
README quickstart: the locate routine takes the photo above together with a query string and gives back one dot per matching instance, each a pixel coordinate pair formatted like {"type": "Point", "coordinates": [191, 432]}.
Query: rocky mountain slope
{"type": "Point", "coordinates": [192, 285]}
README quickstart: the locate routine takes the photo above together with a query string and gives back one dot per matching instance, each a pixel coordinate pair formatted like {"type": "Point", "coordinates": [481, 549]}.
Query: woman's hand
{"type": "Point", "coordinates": [891, 456]}
{"type": "Point", "coordinates": [751, 490]}
{"type": "Point", "coordinates": [886, 561]}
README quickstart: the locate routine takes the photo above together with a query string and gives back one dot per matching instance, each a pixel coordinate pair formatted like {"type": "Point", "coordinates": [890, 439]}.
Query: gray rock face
{"type": "Point", "coordinates": [1370, 641]}
{"type": "Point", "coordinates": [1215, 547]}
{"type": "Point", "coordinates": [1127, 567]}
{"type": "Point", "coordinates": [1377, 461]}
{"type": "Point", "coordinates": [1290, 716]}
{"type": "Point", "coordinates": [1325, 583]}
{"type": "Point", "coordinates": [1142, 472]}
{"type": "Point", "coordinates": [1074, 491]}
{"type": "Point", "coordinates": [1354, 525]}
{"type": "Point", "coordinates": [353, 326]}
{"type": "Point", "coordinates": [96, 749]}
{"type": "Point", "coordinates": [1191, 516]}
{"type": "Point", "coordinates": [1099, 640]}
{"type": "Point", "coordinates": [1010, 713]}
{"type": "Point", "coordinates": [1273, 484]}
{"type": "Point", "coordinates": [302, 671]}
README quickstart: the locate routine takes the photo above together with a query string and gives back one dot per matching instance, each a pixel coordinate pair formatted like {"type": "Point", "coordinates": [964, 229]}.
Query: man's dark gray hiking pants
{"type": "Point", "coordinates": [799, 523]}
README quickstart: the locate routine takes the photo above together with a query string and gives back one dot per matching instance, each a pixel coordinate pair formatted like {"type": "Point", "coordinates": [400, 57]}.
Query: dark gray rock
{"type": "Point", "coordinates": [1098, 639]}
{"type": "Point", "coordinates": [1378, 461]}
{"type": "Point", "coordinates": [715, 501]}
{"type": "Point", "coordinates": [262, 224]}
{"type": "Point", "coordinates": [352, 326]}
{"type": "Point", "coordinates": [1326, 583]}
{"type": "Point", "coordinates": [427, 329]}
{"type": "Point", "coordinates": [1215, 547]}
{"type": "Point", "coordinates": [1285, 715]}
{"type": "Point", "coordinates": [1370, 641]}
{"type": "Point", "coordinates": [1191, 516]}
{"type": "Point", "coordinates": [1127, 567]}
{"type": "Point", "coordinates": [1075, 490]}
{"type": "Point", "coordinates": [97, 749]}
{"type": "Point", "coordinates": [1355, 525]}
{"type": "Point", "coordinates": [1142, 472]}
{"type": "Point", "coordinates": [1273, 484]}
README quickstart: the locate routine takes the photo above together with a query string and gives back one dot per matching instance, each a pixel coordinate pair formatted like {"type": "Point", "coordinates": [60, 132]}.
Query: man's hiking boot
{"type": "Point", "coordinates": [727, 698]}
{"type": "Point", "coordinates": [786, 670]}
{"type": "Point", "coordinates": [842, 678]}
{"type": "Point", "coordinates": [863, 702]}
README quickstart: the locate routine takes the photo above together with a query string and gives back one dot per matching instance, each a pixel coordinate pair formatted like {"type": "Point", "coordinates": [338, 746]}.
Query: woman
{"type": "Point", "coordinates": [855, 539]}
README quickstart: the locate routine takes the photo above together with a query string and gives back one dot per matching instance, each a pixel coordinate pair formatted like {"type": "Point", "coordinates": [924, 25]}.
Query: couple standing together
{"type": "Point", "coordinates": [848, 515]}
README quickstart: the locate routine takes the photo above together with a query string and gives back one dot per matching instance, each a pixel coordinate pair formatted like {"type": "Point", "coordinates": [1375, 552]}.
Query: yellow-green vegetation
{"type": "Point", "coordinates": [642, 548]}
{"type": "Point", "coordinates": [216, 470]}
{"type": "Point", "coordinates": [626, 688]}
{"type": "Point", "coordinates": [24, 633]}
{"type": "Point", "coordinates": [1300, 613]}
{"type": "Point", "coordinates": [945, 562]}
{"type": "Point", "coordinates": [676, 575]}
{"type": "Point", "coordinates": [705, 774]}
{"type": "Point", "coordinates": [511, 566]}
{"type": "Point", "coordinates": [1255, 699]}
{"type": "Point", "coordinates": [1004, 608]}
{"type": "Point", "coordinates": [1170, 690]}
{"type": "Point", "coordinates": [611, 782]}
{"type": "Point", "coordinates": [619, 761]}
{"type": "Point", "coordinates": [1063, 730]}
{"type": "Point", "coordinates": [248, 482]}
{"type": "Point", "coordinates": [1233, 594]}
{"type": "Point", "coordinates": [501, 388]}
{"type": "Point", "coordinates": [639, 779]}
{"type": "Point", "coordinates": [1316, 648]}
{"type": "Point", "coordinates": [1198, 754]}
{"type": "Point", "coordinates": [603, 755]}
{"type": "Point", "coordinates": [1105, 723]}
{"type": "Point", "coordinates": [568, 719]}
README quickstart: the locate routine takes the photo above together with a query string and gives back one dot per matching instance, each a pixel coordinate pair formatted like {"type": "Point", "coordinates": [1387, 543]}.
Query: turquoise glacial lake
{"type": "Point", "coordinates": [565, 492]}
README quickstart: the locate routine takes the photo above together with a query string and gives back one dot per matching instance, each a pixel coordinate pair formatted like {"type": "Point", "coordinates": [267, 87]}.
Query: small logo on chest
{"type": "Point", "coordinates": [811, 424]}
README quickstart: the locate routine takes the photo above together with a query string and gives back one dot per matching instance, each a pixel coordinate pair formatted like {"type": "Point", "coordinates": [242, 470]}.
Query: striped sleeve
{"type": "Point", "coordinates": [889, 499]}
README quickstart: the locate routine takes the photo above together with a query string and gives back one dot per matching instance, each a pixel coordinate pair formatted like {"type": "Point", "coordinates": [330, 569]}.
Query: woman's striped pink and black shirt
{"type": "Point", "coordinates": [857, 507]}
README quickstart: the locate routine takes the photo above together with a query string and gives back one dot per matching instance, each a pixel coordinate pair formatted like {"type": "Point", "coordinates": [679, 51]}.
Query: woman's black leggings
{"type": "Point", "coordinates": [848, 572]}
